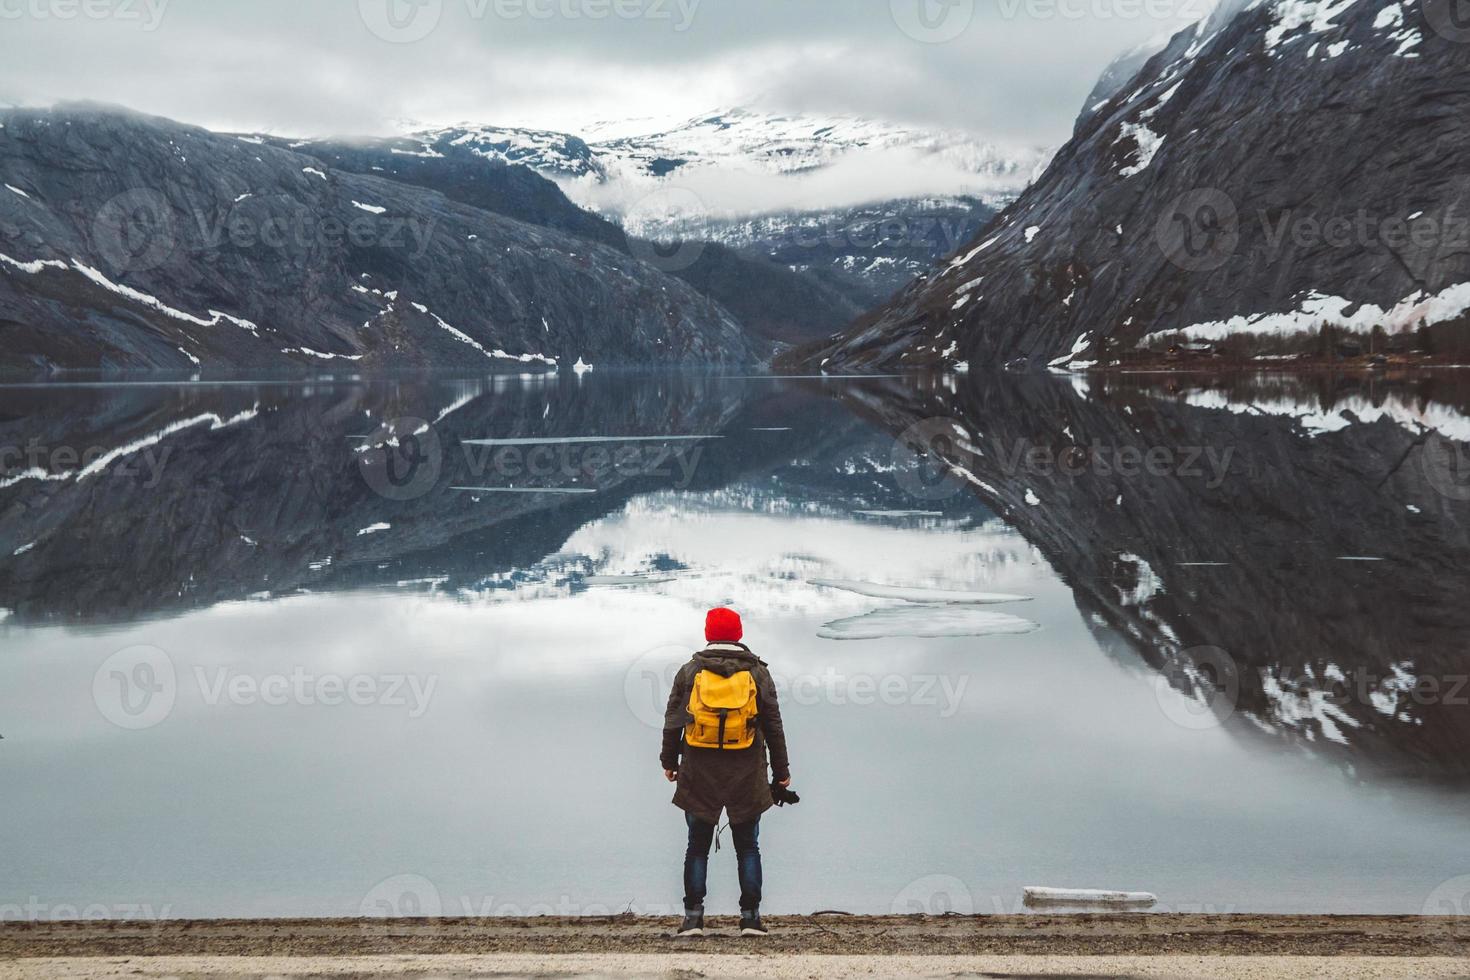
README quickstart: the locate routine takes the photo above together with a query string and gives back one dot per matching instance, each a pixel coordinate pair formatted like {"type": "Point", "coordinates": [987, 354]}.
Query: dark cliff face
{"type": "Point", "coordinates": [130, 241]}
{"type": "Point", "coordinates": [1232, 563]}
{"type": "Point", "coordinates": [771, 301]}
{"type": "Point", "coordinates": [1265, 163]}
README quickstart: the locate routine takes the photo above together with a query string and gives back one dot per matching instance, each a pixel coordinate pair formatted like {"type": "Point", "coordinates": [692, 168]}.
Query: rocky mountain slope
{"type": "Point", "coordinates": [1275, 169]}
{"type": "Point", "coordinates": [772, 301]}
{"type": "Point", "coordinates": [769, 183]}
{"type": "Point", "coordinates": [132, 241]}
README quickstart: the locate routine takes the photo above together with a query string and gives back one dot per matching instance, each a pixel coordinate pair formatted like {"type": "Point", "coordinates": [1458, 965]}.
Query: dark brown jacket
{"type": "Point", "coordinates": [734, 780]}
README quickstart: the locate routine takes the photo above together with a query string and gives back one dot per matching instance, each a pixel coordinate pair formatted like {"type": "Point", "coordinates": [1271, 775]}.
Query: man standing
{"type": "Point", "coordinates": [721, 719]}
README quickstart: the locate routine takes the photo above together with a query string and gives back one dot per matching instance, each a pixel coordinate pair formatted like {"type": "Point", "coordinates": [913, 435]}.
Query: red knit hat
{"type": "Point", "coordinates": [723, 626]}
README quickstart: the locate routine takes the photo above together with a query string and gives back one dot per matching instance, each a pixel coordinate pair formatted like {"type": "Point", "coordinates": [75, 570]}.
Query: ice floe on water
{"type": "Point", "coordinates": [921, 595]}
{"type": "Point", "coordinates": [626, 580]}
{"type": "Point", "coordinates": [1086, 896]}
{"type": "Point", "coordinates": [926, 621]}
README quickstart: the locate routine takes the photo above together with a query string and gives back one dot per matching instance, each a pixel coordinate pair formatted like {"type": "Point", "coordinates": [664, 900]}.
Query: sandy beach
{"type": "Point", "coordinates": [800, 946]}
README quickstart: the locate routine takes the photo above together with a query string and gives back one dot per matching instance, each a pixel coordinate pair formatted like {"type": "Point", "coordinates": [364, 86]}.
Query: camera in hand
{"type": "Point", "coordinates": [782, 795]}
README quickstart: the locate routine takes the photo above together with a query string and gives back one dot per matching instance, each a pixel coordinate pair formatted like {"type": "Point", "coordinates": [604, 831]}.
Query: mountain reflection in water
{"type": "Point", "coordinates": [1277, 562]}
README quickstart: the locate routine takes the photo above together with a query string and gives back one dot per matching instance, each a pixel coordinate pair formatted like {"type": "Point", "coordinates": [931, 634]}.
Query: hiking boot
{"type": "Point", "coordinates": [750, 924]}
{"type": "Point", "coordinates": [693, 924]}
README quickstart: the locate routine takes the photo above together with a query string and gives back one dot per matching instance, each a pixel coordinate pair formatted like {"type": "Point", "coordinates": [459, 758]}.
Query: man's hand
{"type": "Point", "coordinates": [672, 775]}
{"type": "Point", "coordinates": [785, 783]}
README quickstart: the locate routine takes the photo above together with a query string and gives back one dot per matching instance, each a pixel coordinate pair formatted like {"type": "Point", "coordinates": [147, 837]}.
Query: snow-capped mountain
{"type": "Point", "coordinates": [865, 202]}
{"type": "Point", "coordinates": [130, 241]}
{"type": "Point", "coordinates": [1281, 167]}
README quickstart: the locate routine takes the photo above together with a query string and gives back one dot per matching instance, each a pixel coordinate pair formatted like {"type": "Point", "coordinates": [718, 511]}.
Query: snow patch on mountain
{"type": "Point", "coordinates": [1318, 310]}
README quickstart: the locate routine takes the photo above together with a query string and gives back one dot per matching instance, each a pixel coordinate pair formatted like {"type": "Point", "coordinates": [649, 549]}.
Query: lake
{"type": "Point", "coordinates": [341, 646]}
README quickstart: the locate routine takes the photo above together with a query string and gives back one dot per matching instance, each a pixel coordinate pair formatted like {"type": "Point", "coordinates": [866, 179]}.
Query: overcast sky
{"type": "Point", "coordinates": [1009, 70]}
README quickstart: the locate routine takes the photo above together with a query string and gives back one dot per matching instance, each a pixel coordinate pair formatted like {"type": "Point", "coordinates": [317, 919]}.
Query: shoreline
{"type": "Point", "coordinates": [1089, 934]}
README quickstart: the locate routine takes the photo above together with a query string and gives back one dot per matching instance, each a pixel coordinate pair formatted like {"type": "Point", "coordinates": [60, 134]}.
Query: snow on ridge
{"type": "Point", "coordinates": [17, 190]}
{"type": "Point", "coordinates": [1148, 147]}
{"type": "Point", "coordinates": [33, 267]}
{"type": "Point", "coordinates": [316, 353]}
{"type": "Point", "coordinates": [1314, 15]}
{"type": "Point", "coordinates": [1318, 309]}
{"type": "Point", "coordinates": [34, 473]}
{"type": "Point", "coordinates": [465, 338]}
{"type": "Point", "coordinates": [1078, 346]}
{"type": "Point", "coordinates": [1297, 708]}
{"type": "Point", "coordinates": [158, 304]}
{"type": "Point", "coordinates": [369, 208]}
{"type": "Point", "coordinates": [216, 422]}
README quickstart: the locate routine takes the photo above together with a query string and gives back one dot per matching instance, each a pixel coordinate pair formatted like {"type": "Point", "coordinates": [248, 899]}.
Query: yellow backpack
{"type": "Point", "coordinates": [724, 711]}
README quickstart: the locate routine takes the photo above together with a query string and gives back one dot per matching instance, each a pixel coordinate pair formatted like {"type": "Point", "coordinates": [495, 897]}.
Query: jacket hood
{"type": "Point", "coordinates": [726, 658]}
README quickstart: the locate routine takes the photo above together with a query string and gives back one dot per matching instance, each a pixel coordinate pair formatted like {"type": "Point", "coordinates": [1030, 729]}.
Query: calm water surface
{"type": "Point", "coordinates": [292, 648]}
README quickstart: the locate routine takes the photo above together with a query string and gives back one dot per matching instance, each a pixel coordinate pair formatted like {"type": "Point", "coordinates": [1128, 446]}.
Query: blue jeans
{"type": "Point", "coordinates": [747, 857]}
